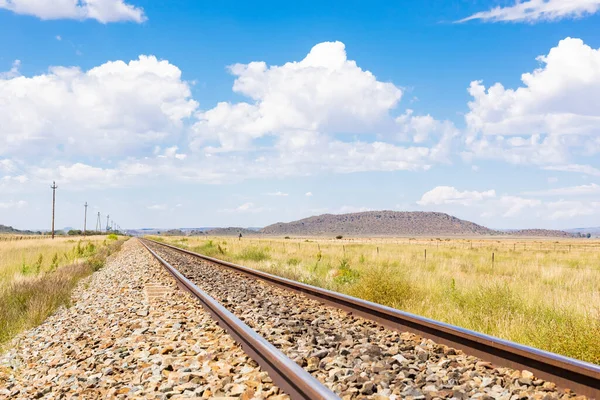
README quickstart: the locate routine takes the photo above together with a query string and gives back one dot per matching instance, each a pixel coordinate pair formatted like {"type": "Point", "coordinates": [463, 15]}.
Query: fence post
{"type": "Point", "coordinates": [492, 260]}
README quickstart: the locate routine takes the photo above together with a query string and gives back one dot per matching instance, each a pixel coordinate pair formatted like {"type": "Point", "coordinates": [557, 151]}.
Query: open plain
{"type": "Point", "coordinates": [538, 292]}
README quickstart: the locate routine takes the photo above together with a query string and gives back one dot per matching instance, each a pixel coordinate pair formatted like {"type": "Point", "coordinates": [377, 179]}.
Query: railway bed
{"type": "Point", "coordinates": [359, 349]}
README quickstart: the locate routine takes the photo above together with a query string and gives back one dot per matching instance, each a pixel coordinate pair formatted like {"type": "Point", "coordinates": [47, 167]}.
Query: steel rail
{"type": "Point", "coordinates": [289, 376]}
{"type": "Point", "coordinates": [579, 376]}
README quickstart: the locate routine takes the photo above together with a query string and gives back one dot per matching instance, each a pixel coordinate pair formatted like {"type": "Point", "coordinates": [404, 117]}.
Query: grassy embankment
{"type": "Point", "coordinates": [37, 276]}
{"type": "Point", "coordinates": [543, 293]}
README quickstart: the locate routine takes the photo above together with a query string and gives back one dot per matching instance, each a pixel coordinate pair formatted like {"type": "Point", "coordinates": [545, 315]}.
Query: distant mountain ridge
{"type": "Point", "coordinates": [377, 223]}
{"type": "Point", "coordinates": [380, 223]}
{"type": "Point", "coordinates": [542, 233]}
{"type": "Point", "coordinates": [10, 229]}
{"type": "Point", "coordinates": [231, 231]}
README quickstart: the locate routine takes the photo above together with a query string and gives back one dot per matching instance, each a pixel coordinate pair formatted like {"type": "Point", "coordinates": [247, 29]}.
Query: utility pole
{"type": "Point", "coordinates": [54, 187]}
{"type": "Point", "coordinates": [107, 226]}
{"type": "Point", "coordinates": [98, 223]}
{"type": "Point", "coordinates": [85, 218]}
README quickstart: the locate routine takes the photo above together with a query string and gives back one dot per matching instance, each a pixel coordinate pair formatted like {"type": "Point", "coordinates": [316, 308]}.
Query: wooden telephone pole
{"type": "Point", "coordinates": [85, 218]}
{"type": "Point", "coordinates": [54, 187]}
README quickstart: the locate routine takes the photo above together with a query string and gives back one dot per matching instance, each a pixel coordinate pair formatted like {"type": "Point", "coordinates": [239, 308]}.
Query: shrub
{"type": "Point", "coordinates": [287, 237]}
{"type": "Point", "coordinates": [293, 261]}
{"type": "Point", "coordinates": [345, 274]}
{"type": "Point", "coordinates": [38, 264]}
{"type": "Point", "coordinates": [254, 254]}
{"type": "Point", "coordinates": [24, 268]}
{"type": "Point", "coordinates": [112, 236]}
{"type": "Point", "coordinates": [339, 237]}
{"type": "Point", "coordinates": [54, 263]}
{"type": "Point", "coordinates": [385, 285]}
{"type": "Point", "coordinates": [208, 249]}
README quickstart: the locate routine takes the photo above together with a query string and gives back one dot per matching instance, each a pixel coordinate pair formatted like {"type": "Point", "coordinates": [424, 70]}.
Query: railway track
{"type": "Point", "coordinates": [357, 349]}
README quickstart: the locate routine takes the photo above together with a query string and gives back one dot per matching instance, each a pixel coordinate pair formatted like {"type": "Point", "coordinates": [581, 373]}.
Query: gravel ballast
{"type": "Point", "coordinates": [130, 334]}
{"type": "Point", "coordinates": [354, 357]}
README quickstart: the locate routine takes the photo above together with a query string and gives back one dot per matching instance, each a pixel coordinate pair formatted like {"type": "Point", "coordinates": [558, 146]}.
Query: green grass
{"type": "Point", "coordinates": [256, 254]}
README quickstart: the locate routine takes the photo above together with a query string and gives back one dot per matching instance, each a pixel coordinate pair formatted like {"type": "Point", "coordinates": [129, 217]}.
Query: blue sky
{"type": "Point", "coordinates": [187, 113]}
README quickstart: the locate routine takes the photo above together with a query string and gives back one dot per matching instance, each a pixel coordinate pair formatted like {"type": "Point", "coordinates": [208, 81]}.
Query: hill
{"type": "Point", "coordinates": [543, 233]}
{"type": "Point", "coordinates": [380, 223]}
{"type": "Point", "coordinates": [10, 229]}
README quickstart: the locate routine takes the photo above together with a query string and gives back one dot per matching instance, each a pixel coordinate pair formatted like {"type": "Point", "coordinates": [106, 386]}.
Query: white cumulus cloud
{"type": "Point", "coordinates": [419, 128]}
{"type": "Point", "coordinates": [549, 119]}
{"type": "Point", "coordinates": [564, 209]}
{"type": "Point", "coordinates": [488, 204]}
{"type": "Point", "coordinates": [450, 195]}
{"type": "Point", "coordinates": [538, 10]}
{"type": "Point", "coordinates": [13, 72]}
{"type": "Point", "coordinates": [117, 107]}
{"type": "Point", "coordinates": [104, 11]}
{"type": "Point", "coordinates": [324, 92]}
{"type": "Point", "coordinates": [312, 114]}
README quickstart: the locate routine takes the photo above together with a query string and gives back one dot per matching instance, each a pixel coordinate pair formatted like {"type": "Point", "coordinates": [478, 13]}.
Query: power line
{"type": "Point", "coordinates": [85, 218]}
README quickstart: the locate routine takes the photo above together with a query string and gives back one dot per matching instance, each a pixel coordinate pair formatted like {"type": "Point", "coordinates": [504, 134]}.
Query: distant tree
{"type": "Point", "coordinates": [339, 237]}
{"type": "Point", "coordinates": [589, 235]}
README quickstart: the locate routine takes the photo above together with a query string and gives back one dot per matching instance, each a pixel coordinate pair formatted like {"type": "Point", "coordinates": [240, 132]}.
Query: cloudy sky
{"type": "Point", "coordinates": [194, 113]}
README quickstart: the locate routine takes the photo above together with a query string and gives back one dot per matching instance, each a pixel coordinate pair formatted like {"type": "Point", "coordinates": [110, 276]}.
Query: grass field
{"type": "Point", "coordinates": [542, 293]}
{"type": "Point", "coordinates": [38, 274]}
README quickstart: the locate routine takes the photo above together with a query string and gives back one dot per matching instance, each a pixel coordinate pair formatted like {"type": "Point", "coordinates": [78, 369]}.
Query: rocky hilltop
{"type": "Point", "coordinates": [380, 223]}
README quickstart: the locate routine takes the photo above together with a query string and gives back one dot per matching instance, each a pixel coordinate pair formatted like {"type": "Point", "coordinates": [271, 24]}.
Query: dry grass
{"type": "Point", "coordinates": [38, 275]}
{"type": "Point", "coordinates": [542, 293]}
